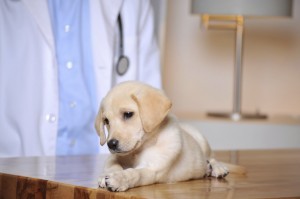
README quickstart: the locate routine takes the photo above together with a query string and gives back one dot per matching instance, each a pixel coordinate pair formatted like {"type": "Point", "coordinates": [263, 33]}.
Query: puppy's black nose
{"type": "Point", "coordinates": [113, 144]}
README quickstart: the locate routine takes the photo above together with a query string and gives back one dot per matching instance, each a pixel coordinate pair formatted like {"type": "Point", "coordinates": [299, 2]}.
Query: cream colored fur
{"type": "Point", "coordinates": [152, 146]}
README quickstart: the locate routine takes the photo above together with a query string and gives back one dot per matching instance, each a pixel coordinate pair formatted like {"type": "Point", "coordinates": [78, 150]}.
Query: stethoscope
{"type": "Point", "coordinates": [122, 64]}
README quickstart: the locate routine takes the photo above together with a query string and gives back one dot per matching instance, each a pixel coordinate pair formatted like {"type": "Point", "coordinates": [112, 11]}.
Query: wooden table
{"type": "Point", "coordinates": [271, 174]}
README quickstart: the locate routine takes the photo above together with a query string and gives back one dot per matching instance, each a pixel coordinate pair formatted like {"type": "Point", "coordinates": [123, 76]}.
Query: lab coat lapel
{"type": "Point", "coordinates": [111, 9]}
{"type": "Point", "coordinates": [40, 13]}
{"type": "Point", "coordinates": [103, 21]}
{"type": "Point", "coordinates": [103, 25]}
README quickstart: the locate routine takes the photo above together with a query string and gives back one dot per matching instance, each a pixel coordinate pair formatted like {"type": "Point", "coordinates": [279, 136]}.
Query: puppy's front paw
{"type": "Point", "coordinates": [116, 181]}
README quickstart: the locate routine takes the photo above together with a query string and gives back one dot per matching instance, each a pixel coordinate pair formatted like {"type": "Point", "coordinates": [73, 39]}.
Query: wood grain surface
{"type": "Point", "coordinates": [271, 174]}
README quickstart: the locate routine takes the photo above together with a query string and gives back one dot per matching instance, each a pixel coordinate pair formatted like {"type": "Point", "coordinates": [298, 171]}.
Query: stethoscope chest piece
{"type": "Point", "coordinates": [122, 65]}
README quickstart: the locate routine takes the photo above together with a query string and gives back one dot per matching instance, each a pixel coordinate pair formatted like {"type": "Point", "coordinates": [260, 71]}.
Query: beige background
{"type": "Point", "coordinates": [198, 64]}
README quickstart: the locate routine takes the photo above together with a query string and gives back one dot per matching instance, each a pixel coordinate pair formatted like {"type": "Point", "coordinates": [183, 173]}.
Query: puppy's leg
{"type": "Point", "coordinates": [125, 179]}
{"type": "Point", "coordinates": [216, 169]}
{"type": "Point", "coordinates": [111, 165]}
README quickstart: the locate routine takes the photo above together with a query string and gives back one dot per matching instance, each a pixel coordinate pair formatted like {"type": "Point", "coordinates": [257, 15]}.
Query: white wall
{"type": "Point", "coordinates": [198, 64]}
{"type": "Point", "coordinates": [224, 135]}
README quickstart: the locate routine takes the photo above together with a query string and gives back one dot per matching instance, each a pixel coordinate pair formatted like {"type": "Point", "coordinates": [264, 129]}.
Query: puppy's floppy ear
{"type": "Point", "coordinates": [153, 106]}
{"type": "Point", "coordinates": [99, 125]}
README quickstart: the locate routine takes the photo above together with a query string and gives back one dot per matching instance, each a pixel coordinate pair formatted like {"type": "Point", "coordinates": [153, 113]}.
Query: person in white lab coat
{"type": "Point", "coordinates": [30, 68]}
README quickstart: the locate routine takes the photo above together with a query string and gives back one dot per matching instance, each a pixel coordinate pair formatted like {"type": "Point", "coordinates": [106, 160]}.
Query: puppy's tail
{"type": "Point", "coordinates": [235, 169]}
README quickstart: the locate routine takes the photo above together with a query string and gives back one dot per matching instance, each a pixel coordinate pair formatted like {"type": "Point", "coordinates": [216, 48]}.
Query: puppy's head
{"type": "Point", "coordinates": [130, 111]}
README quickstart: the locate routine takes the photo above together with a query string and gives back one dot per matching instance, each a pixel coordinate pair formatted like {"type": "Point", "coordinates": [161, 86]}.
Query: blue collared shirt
{"type": "Point", "coordinates": [77, 106]}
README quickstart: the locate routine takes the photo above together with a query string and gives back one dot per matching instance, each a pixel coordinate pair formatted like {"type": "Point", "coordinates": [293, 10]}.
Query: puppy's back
{"type": "Point", "coordinates": [200, 139]}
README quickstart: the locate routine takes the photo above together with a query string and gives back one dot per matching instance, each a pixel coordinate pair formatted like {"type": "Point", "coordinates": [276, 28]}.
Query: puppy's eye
{"type": "Point", "coordinates": [106, 121]}
{"type": "Point", "coordinates": [127, 115]}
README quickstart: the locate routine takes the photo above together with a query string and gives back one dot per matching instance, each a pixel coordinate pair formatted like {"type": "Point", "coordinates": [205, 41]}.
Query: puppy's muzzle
{"type": "Point", "coordinates": [113, 145]}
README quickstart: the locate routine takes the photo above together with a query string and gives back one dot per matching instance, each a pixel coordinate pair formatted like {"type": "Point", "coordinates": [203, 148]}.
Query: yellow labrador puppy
{"type": "Point", "coordinates": [147, 144]}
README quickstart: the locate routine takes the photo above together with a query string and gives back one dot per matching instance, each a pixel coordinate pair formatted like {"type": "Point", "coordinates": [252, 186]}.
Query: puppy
{"type": "Point", "coordinates": [147, 144]}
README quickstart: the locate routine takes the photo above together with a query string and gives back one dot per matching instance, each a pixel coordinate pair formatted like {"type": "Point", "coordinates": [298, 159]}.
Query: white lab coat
{"type": "Point", "coordinates": [28, 69]}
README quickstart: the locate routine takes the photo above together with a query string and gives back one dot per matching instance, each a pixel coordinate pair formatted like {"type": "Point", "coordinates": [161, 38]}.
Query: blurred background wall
{"type": "Point", "coordinates": [198, 64]}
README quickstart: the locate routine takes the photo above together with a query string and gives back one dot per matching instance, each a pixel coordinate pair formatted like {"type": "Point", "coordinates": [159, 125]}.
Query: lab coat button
{"type": "Point", "coordinates": [51, 118]}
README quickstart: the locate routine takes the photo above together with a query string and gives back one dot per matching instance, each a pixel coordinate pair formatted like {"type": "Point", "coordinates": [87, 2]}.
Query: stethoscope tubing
{"type": "Point", "coordinates": [123, 61]}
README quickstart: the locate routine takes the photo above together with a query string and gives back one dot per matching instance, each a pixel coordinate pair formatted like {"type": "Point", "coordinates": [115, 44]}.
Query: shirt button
{"type": "Point", "coordinates": [51, 118]}
{"type": "Point", "coordinates": [69, 65]}
{"type": "Point", "coordinates": [72, 104]}
{"type": "Point", "coordinates": [67, 28]}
